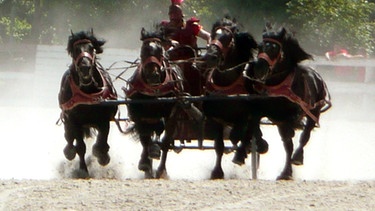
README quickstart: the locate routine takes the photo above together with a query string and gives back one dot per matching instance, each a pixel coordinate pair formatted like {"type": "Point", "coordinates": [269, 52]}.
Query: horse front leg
{"type": "Point", "coordinates": [217, 172]}
{"type": "Point", "coordinates": [287, 133]}
{"type": "Point", "coordinates": [100, 148]}
{"type": "Point", "coordinates": [69, 150]}
{"type": "Point", "coordinates": [145, 163]}
{"type": "Point", "coordinates": [298, 157]}
{"type": "Point", "coordinates": [81, 151]}
{"type": "Point", "coordinates": [240, 132]}
{"type": "Point", "coordinates": [162, 169]}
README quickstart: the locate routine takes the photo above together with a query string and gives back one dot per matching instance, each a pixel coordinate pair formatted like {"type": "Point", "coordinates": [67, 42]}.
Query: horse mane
{"type": "Point", "coordinates": [227, 21]}
{"type": "Point", "coordinates": [89, 35]}
{"type": "Point", "coordinates": [294, 51]}
{"type": "Point", "coordinates": [152, 34]}
{"type": "Point", "coordinates": [245, 43]}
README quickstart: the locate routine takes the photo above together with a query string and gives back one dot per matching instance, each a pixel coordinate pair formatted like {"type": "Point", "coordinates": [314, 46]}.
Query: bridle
{"type": "Point", "coordinates": [280, 55]}
{"type": "Point", "coordinates": [79, 57]}
{"type": "Point", "coordinates": [152, 59]}
{"type": "Point", "coordinates": [223, 49]}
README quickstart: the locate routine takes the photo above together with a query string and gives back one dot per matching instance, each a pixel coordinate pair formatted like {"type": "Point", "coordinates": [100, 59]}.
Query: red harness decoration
{"type": "Point", "coordinates": [236, 88]}
{"type": "Point", "coordinates": [138, 85]}
{"type": "Point", "coordinates": [284, 89]}
{"type": "Point", "coordinates": [81, 98]}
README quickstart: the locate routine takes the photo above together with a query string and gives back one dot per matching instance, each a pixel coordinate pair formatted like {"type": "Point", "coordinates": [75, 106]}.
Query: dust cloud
{"type": "Point", "coordinates": [32, 144]}
{"type": "Point", "coordinates": [341, 149]}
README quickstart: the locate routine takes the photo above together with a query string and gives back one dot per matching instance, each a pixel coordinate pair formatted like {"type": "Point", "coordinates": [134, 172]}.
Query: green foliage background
{"type": "Point", "coordinates": [317, 24]}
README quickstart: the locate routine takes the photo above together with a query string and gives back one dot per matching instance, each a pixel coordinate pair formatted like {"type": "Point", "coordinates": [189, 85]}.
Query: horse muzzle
{"type": "Point", "coordinates": [261, 70]}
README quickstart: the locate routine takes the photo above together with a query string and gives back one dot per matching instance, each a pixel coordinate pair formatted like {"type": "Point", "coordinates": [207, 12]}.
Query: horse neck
{"type": "Point", "coordinates": [228, 74]}
{"type": "Point", "coordinates": [282, 70]}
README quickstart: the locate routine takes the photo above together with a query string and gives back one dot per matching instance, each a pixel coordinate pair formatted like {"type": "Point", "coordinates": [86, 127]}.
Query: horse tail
{"type": "Point", "coordinates": [327, 99]}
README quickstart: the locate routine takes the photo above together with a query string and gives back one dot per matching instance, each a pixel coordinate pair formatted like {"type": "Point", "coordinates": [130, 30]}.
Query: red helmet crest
{"type": "Point", "coordinates": [176, 2]}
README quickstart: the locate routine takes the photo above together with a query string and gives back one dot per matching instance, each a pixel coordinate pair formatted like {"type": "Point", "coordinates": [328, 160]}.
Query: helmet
{"type": "Point", "coordinates": [175, 12]}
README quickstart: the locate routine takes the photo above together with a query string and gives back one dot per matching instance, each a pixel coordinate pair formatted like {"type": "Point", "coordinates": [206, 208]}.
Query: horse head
{"type": "Point", "coordinates": [229, 46]}
{"type": "Point", "coordinates": [152, 58]}
{"type": "Point", "coordinates": [83, 47]}
{"type": "Point", "coordinates": [222, 36]}
{"type": "Point", "coordinates": [278, 55]}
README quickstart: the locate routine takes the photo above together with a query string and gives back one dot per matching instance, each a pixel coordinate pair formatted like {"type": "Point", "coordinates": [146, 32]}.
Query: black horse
{"type": "Point", "coordinates": [226, 58]}
{"type": "Point", "coordinates": [83, 86]}
{"type": "Point", "coordinates": [153, 79]}
{"type": "Point", "coordinates": [295, 95]}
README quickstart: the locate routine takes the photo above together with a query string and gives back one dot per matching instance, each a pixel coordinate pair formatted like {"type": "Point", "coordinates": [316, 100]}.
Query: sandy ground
{"type": "Point", "coordinates": [185, 195]}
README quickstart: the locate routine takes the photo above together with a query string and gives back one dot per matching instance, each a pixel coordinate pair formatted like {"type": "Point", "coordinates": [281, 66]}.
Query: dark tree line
{"type": "Point", "coordinates": [319, 24]}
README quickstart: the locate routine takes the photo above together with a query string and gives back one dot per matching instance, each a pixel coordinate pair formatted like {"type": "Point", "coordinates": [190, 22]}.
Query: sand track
{"type": "Point", "coordinates": [69, 194]}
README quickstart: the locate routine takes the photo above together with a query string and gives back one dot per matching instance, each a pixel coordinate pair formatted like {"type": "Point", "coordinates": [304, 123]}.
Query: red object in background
{"type": "Point", "coordinates": [178, 2]}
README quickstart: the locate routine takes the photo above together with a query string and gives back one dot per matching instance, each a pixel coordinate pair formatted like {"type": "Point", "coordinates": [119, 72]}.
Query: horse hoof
{"type": "Point", "coordinates": [148, 175]}
{"type": "Point", "coordinates": [81, 174]}
{"type": "Point", "coordinates": [284, 177]}
{"type": "Point", "coordinates": [262, 147]}
{"type": "Point", "coordinates": [154, 151]}
{"type": "Point", "coordinates": [144, 165]}
{"type": "Point", "coordinates": [297, 159]}
{"type": "Point", "coordinates": [104, 159]}
{"type": "Point", "coordinates": [177, 149]}
{"type": "Point", "coordinates": [161, 174]}
{"type": "Point", "coordinates": [70, 152]}
{"type": "Point", "coordinates": [239, 159]}
{"type": "Point", "coordinates": [297, 162]}
{"type": "Point", "coordinates": [217, 174]}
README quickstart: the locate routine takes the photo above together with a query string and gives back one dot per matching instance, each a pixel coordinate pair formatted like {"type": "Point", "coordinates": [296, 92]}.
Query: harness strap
{"type": "Point", "coordinates": [218, 44]}
{"type": "Point", "coordinates": [237, 87]}
{"type": "Point", "coordinates": [152, 59]}
{"type": "Point", "coordinates": [138, 85]}
{"type": "Point", "coordinates": [79, 97]}
{"type": "Point", "coordinates": [84, 54]}
{"type": "Point", "coordinates": [284, 89]}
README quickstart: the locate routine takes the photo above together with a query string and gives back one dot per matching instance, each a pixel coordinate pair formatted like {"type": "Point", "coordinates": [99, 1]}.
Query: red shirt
{"type": "Point", "coordinates": [187, 35]}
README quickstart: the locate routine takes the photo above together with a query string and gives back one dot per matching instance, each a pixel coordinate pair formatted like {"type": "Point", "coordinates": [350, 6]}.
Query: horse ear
{"type": "Point", "coordinates": [71, 31]}
{"type": "Point", "coordinates": [92, 31]}
{"type": "Point", "coordinates": [143, 32]}
{"type": "Point", "coordinates": [267, 26]}
{"type": "Point", "coordinates": [282, 31]}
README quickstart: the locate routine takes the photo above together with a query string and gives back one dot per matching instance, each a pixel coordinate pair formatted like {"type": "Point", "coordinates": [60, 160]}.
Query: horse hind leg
{"type": "Point", "coordinates": [298, 155]}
